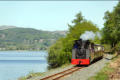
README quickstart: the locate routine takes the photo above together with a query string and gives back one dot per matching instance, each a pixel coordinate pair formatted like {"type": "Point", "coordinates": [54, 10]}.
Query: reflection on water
{"type": "Point", "coordinates": [14, 64]}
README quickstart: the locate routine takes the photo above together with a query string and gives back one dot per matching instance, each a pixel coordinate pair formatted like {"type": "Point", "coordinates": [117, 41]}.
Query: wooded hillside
{"type": "Point", "coordinates": [27, 38]}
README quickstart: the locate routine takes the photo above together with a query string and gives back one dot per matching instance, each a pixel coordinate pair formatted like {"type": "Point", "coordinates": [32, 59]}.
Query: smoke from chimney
{"type": "Point", "coordinates": [89, 35]}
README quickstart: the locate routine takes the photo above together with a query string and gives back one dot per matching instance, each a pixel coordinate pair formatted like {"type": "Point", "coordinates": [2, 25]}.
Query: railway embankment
{"type": "Point", "coordinates": [82, 74]}
{"type": "Point", "coordinates": [110, 72]}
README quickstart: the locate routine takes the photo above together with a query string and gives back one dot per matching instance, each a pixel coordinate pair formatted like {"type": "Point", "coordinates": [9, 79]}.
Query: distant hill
{"type": "Point", "coordinates": [14, 38]}
{"type": "Point", "coordinates": [6, 27]}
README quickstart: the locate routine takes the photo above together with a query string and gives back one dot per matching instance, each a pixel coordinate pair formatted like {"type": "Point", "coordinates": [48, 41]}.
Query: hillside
{"type": "Point", "coordinates": [6, 27]}
{"type": "Point", "coordinates": [27, 38]}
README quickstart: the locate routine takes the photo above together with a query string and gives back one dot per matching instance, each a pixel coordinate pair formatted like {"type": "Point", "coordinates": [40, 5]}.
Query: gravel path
{"type": "Point", "coordinates": [82, 74]}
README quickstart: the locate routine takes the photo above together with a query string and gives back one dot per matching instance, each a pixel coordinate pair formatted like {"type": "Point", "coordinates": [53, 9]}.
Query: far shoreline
{"type": "Point", "coordinates": [23, 50]}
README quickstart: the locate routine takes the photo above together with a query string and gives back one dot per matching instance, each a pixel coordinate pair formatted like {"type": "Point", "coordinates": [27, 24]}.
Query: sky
{"type": "Point", "coordinates": [52, 15]}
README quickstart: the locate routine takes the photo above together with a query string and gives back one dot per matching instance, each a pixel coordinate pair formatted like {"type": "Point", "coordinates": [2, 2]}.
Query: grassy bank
{"type": "Point", "coordinates": [30, 75]}
{"type": "Point", "coordinates": [105, 73]}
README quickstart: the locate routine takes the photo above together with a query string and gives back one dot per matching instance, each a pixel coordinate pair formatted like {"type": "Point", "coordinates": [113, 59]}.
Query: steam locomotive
{"type": "Point", "coordinates": [84, 52]}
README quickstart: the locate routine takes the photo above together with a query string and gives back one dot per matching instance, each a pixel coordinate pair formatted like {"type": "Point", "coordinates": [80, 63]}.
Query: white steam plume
{"type": "Point", "coordinates": [90, 35]}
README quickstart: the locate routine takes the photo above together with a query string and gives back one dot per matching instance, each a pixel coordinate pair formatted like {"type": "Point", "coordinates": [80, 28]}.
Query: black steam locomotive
{"type": "Point", "coordinates": [84, 52]}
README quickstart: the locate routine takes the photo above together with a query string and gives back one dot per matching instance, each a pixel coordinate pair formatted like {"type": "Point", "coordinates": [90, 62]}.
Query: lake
{"type": "Point", "coordinates": [14, 64]}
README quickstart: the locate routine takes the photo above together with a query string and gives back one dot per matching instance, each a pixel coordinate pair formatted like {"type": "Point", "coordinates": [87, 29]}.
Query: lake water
{"type": "Point", "coordinates": [14, 64]}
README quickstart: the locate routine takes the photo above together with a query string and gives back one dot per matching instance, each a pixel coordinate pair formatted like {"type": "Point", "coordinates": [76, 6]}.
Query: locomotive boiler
{"type": "Point", "coordinates": [84, 52]}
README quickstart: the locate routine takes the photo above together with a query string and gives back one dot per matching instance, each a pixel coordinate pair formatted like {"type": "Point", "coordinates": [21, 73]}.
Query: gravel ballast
{"type": "Point", "coordinates": [87, 72]}
{"type": "Point", "coordinates": [51, 72]}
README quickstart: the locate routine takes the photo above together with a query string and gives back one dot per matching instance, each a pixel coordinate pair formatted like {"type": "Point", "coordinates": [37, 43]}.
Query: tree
{"type": "Point", "coordinates": [79, 18]}
{"type": "Point", "coordinates": [111, 30]}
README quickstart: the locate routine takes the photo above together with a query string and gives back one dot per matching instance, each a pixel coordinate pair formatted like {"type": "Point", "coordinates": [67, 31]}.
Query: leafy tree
{"type": "Point", "coordinates": [79, 18]}
{"type": "Point", "coordinates": [111, 30]}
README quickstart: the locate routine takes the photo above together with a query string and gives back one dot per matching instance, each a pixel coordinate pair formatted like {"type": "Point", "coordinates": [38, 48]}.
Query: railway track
{"type": "Point", "coordinates": [64, 73]}
{"type": "Point", "coordinates": [59, 75]}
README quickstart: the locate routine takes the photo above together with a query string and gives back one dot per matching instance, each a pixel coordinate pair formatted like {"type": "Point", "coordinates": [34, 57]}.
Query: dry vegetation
{"type": "Point", "coordinates": [111, 71]}
{"type": "Point", "coordinates": [116, 66]}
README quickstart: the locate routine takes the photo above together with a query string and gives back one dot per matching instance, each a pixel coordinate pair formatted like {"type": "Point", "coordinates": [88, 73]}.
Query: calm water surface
{"type": "Point", "coordinates": [14, 64]}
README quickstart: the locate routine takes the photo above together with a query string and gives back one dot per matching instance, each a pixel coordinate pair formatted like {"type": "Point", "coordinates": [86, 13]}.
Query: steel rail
{"type": "Point", "coordinates": [62, 74]}
{"type": "Point", "coordinates": [57, 78]}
